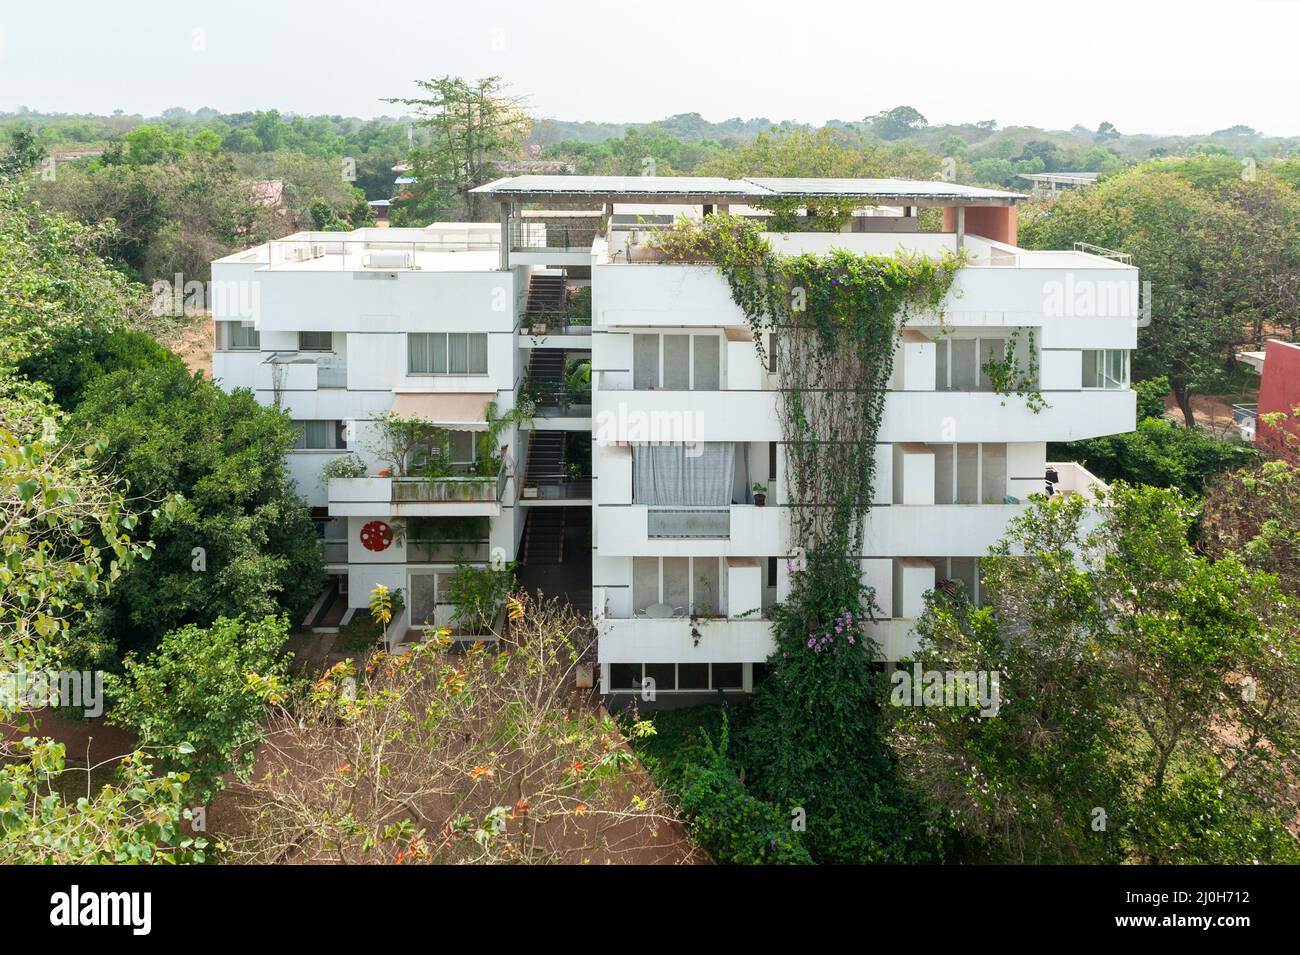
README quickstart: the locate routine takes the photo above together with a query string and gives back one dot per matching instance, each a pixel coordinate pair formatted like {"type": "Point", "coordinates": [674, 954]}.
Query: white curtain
{"type": "Point", "coordinates": [676, 475]}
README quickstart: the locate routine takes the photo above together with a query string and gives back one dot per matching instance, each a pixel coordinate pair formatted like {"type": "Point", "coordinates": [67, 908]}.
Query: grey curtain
{"type": "Point", "coordinates": [667, 475]}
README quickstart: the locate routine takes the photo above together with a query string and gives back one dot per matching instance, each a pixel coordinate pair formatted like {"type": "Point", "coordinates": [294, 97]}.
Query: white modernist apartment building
{"type": "Point", "coordinates": [685, 562]}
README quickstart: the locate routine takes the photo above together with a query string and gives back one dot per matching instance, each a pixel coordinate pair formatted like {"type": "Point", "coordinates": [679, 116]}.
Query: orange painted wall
{"type": "Point", "coordinates": [992, 222]}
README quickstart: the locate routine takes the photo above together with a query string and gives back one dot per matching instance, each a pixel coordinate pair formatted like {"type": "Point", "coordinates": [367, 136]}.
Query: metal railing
{"type": "Point", "coordinates": [1087, 247]}
{"type": "Point", "coordinates": [331, 371]}
{"type": "Point", "coordinates": [533, 234]}
{"type": "Point", "coordinates": [551, 487]}
{"type": "Point", "coordinates": [552, 398]}
{"type": "Point", "coordinates": [559, 322]}
{"type": "Point", "coordinates": [689, 522]}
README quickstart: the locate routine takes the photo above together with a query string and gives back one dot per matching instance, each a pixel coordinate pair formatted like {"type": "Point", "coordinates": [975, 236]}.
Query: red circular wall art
{"type": "Point", "coordinates": [376, 535]}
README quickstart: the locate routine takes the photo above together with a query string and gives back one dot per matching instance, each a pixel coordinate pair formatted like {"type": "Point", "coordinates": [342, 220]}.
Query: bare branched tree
{"type": "Point", "coordinates": [448, 754]}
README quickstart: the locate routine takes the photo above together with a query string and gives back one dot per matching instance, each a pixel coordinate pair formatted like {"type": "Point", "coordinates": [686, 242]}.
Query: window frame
{"type": "Point", "coordinates": [1101, 372]}
{"type": "Point", "coordinates": [690, 358]}
{"type": "Point", "coordinates": [312, 348]}
{"type": "Point", "coordinates": [445, 347]}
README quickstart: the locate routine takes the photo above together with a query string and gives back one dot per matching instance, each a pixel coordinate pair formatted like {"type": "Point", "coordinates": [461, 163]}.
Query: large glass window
{"type": "Point", "coordinates": [682, 585]}
{"type": "Point", "coordinates": [959, 362]}
{"type": "Point", "coordinates": [970, 473]}
{"type": "Point", "coordinates": [446, 353]}
{"type": "Point", "coordinates": [1105, 368]}
{"type": "Point", "coordinates": [236, 336]}
{"type": "Point", "coordinates": [318, 435]}
{"type": "Point", "coordinates": [677, 362]}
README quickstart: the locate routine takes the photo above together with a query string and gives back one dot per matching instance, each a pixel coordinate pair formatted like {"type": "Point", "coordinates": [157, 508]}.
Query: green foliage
{"type": "Point", "coordinates": [196, 701]}
{"type": "Point", "coordinates": [138, 819]}
{"type": "Point", "coordinates": [1254, 515]}
{"type": "Point", "coordinates": [478, 594]}
{"type": "Point", "coordinates": [734, 826]}
{"type": "Point", "coordinates": [1151, 397]}
{"type": "Point", "coordinates": [1212, 245]}
{"type": "Point", "coordinates": [168, 433]}
{"type": "Point", "coordinates": [815, 737]}
{"type": "Point", "coordinates": [1159, 453]}
{"type": "Point", "coordinates": [52, 281]}
{"type": "Point", "coordinates": [78, 356]}
{"type": "Point", "coordinates": [1138, 678]}
{"type": "Point", "coordinates": [1007, 376]}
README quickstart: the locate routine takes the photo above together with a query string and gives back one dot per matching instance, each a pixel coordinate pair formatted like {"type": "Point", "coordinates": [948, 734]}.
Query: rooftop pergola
{"type": "Point", "coordinates": [706, 191]}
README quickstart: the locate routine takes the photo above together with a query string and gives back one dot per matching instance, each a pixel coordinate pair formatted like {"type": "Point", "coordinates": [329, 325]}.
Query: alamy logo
{"type": "Point", "coordinates": [36, 689]}
{"type": "Point", "coordinates": [103, 908]}
{"type": "Point", "coordinates": [1090, 298]}
{"type": "Point", "coordinates": [961, 688]}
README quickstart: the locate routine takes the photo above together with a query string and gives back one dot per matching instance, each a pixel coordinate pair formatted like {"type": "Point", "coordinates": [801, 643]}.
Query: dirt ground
{"type": "Point", "coordinates": [194, 344]}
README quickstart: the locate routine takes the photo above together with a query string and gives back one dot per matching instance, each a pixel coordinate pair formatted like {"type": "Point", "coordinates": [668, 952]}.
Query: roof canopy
{"type": "Point", "coordinates": [714, 191]}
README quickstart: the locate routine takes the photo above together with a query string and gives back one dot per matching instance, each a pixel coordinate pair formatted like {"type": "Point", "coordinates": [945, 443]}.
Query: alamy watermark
{"type": "Point", "coordinates": [37, 689]}
{"type": "Point", "coordinates": [958, 688]}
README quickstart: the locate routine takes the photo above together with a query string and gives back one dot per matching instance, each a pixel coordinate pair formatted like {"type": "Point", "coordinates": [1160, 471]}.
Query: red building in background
{"type": "Point", "coordinates": [1279, 390]}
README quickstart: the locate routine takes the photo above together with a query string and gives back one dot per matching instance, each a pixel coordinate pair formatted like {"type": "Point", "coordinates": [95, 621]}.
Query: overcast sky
{"type": "Point", "coordinates": [1144, 65]}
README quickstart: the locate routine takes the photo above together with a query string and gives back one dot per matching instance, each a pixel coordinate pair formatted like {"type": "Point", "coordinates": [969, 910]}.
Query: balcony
{"type": "Point", "coordinates": [302, 371]}
{"type": "Point", "coordinates": [417, 496]}
{"type": "Point", "coordinates": [688, 523]}
{"type": "Point", "coordinates": [638, 530]}
{"type": "Point", "coordinates": [557, 399]}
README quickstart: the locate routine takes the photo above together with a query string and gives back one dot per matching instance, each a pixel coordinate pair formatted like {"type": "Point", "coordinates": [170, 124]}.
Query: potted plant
{"type": "Point", "coordinates": [760, 494]}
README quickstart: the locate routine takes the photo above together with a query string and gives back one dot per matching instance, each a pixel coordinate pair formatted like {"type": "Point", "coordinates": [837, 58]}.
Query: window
{"type": "Point", "coordinates": [236, 336]}
{"type": "Point", "coordinates": [680, 677]}
{"type": "Point", "coordinates": [460, 448]}
{"type": "Point", "coordinates": [319, 436]}
{"type": "Point", "coordinates": [315, 341]}
{"type": "Point", "coordinates": [959, 362]}
{"type": "Point", "coordinates": [1105, 368]}
{"type": "Point", "coordinates": [446, 353]}
{"type": "Point", "coordinates": [685, 584]}
{"type": "Point", "coordinates": [676, 362]}
{"type": "Point", "coordinates": [963, 570]}
{"type": "Point", "coordinates": [970, 473]}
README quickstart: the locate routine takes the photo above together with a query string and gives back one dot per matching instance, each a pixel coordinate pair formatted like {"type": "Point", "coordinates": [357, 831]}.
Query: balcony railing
{"type": "Point", "coordinates": [554, 487]}
{"type": "Point", "coordinates": [558, 398]}
{"type": "Point", "coordinates": [336, 551]}
{"type": "Point", "coordinates": [451, 489]}
{"type": "Point", "coordinates": [445, 552]}
{"type": "Point", "coordinates": [528, 235]}
{"type": "Point", "coordinates": [331, 370]}
{"type": "Point", "coordinates": [558, 322]}
{"type": "Point", "coordinates": [689, 523]}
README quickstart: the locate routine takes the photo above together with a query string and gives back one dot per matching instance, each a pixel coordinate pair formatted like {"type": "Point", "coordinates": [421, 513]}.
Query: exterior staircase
{"type": "Point", "coordinates": [545, 295]}
{"type": "Point", "coordinates": [543, 536]}
{"type": "Point", "coordinates": [544, 466]}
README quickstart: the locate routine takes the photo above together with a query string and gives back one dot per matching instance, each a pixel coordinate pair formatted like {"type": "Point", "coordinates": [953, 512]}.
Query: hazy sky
{"type": "Point", "coordinates": [1144, 65]}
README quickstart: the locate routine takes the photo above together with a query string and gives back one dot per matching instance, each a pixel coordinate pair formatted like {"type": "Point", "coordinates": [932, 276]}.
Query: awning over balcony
{"type": "Point", "coordinates": [458, 412]}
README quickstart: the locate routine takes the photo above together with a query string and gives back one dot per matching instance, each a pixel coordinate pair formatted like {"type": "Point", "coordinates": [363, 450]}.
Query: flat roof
{"type": "Point", "coordinates": [706, 189]}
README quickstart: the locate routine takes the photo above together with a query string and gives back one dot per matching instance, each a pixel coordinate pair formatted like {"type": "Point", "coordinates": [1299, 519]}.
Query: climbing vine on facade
{"type": "Point", "coordinates": [813, 745]}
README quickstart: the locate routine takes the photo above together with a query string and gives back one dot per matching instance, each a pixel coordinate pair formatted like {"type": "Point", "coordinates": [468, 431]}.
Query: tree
{"type": "Point", "coordinates": [25, 152]}
{"type": "Point", "coordinates": [1186, 244]}
{"type": "Point", "coordinates": [1254, 514]}
{"type": "Point", "coordinates": [65, 538]}
{"type": "Point", "coordinates": [1160, 453]}
{"type": "Point", "coordinates": [1147, 710]}
{"type": "Point", "coordinates": [196, 701]}
{"type": "Point", "coordinates": [482, 754]}
{"type": "Point", "coordinates": [472, 127]}
{"type": "Point", "coordinates": [898, 122]}
{"type": "Point", "coordinates": [240, 542]}
{"type": "Point", "coordinates": [1106, 131]}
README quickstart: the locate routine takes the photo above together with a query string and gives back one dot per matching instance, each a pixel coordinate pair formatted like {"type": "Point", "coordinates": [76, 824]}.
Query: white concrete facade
{"type": "Point", "coordinates": [323, 322]}
{"type": "Point", "coordinates": [955, 461]}
{"type": "Point", "coordinates": [319, 324]}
